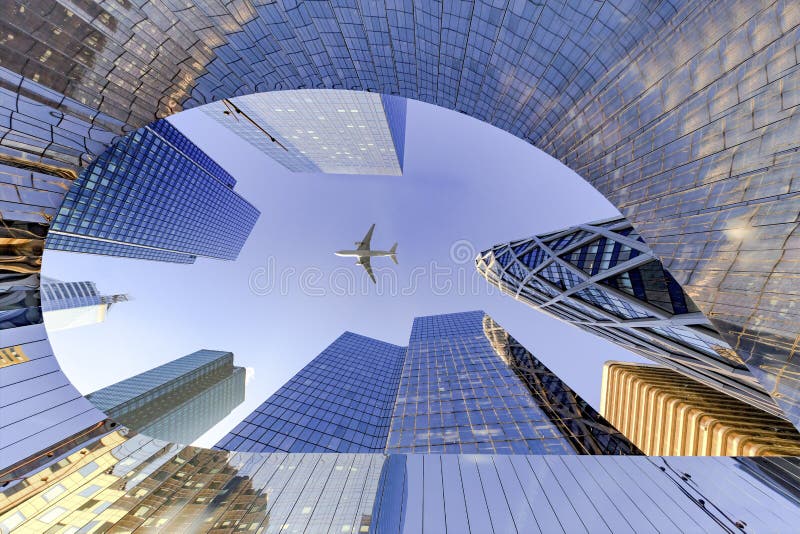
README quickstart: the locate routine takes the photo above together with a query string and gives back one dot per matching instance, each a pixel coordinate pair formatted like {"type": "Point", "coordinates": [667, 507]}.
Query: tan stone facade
{"type": "Point", "coordinates": [665, 413]}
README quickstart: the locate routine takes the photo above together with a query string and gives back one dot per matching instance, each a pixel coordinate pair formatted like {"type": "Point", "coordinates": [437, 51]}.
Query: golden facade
{"type": "Point", "coordinates": [665, 413]}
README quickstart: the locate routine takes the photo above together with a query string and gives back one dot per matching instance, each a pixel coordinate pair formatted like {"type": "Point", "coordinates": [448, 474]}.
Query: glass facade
{"type": "Point", "coordinates": [72, 304]}
{"type": "Point", "coordinates": [122, 481]}
{"type": "Point", "coordinates": [87, 245]}
{"type": "Point", "coordinates": [154, 196]}
{"type": "Point", "coordinates": [697, 149]}
{"type": "Point", "coordinates": [672, 143]}
{"type": "Point", "coordinates": [395, 109]}
{"type": "Point", "coordinates": [601, 277]}
{"type": "Point", "coordinates": [31, 191]}
{"type": "Point", "coordinates": [586, 430]}
{"type": "Point", "coordinates": [39, 407]}
{"type": "Point", "coordinates": [461, 386]}
{"type": "Point", "coordinates": [330, 131]}
{"type": "Point", "coordinates": [58, 295]}
{"type": "Point", "coordinates": [340, 402]}
{"type": "Point", "coordinates": [20, 259]}
{"type": "Point", "coordinates": [125, 482]}
{"type": "Point", "coordinates": [465, 388]}
{"type": "Point", "coordinates": [178, 401]}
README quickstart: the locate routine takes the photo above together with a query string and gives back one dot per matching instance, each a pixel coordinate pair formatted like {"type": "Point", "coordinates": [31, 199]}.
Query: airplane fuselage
{"type": "Point", "coordinates": [363, 253]}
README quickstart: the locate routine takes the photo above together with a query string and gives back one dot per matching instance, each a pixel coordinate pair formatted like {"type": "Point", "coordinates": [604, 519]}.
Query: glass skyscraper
{"type": "Point", "coordinates": [178, 401]}
{"type": "Point", "coordinates": [72, 304]}
{"type": "Point", "coordinates": [463, 385]}
{"type": "Point", "coordinates": [154, 196]}
{"type": "Point", "coordinates": [330, 131]}
{"type": "Point", "coordinates": [602, 278]}
{"type": "Point", "coordinates": [340, 402]}
{"type": "Point", "coordinates": [469, 387]}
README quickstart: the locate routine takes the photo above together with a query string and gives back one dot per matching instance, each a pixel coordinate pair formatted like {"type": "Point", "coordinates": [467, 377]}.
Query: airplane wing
{"type": "Point", "coordinates": [364, 243]}
{"type": "Point", "coordinates": [364, 262]}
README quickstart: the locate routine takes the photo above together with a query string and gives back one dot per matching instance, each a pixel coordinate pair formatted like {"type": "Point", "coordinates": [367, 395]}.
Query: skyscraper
{"type": "Point", "coordinates": [178, 401]}
{"type": "Point", "coordinates": [342, 132]}
{"type": "Point", "coordinates": [154, 196]}
{"type": "Point", "coordinates": [664, 413]}
{"type": "Point", "coordinates": [468, 387]}
{"type": "Point", "coordinates": [697, 149]}
{"type": "Point", "coordinates": [463, 385]}
{"type": "Point", "coordinates": [72, 304]}
{"type": "Point", "coordinates": [602, 278]}
{"type": "Point", "coordinates": [340, 402]}
{"type": "Point", "coordinates": [697, 153]}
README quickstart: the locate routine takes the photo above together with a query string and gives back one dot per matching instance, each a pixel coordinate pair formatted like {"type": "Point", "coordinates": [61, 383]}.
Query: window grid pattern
{"type": "Point", "coordinates": [632, 301]}
{"type": "Point", "coordinates": [142, 388]}
{"type": "Point", "coordinates": [86, 245]}
{"type": "Point", "coordinates": [130, 481]}
{"type": "Point", "coordinates": [178, 401]}
{"type": "Point", "coordinates": [189, 411]}
{"type": "Point", "coordinates": [172, 135]}
{"type": "Point", "coordinates": [144, 192]}
{"type": "Point", "coordinates": [458, 395]}
{"type": "Point", "coordinates": [341, 132]}
{"type": "Point", "coordinates": [680, 155]}
{"type": "Point", "coordinates": [340, 402]}
{"type": "Point", "coordinates": [586, 430]}
{"type": "Point", "coordinates": [395, 109]}
{"type": "Point", "coordinates": [63, 295]}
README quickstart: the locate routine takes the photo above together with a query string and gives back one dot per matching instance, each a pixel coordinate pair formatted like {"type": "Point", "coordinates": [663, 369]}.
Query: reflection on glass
{"type": "Point", "coordinates": [156, 196]}
{"type": "Point", "coordinates": [178, 401]}
{"type": "Point", "coordinates": [329, 131]}
{"type": "Point", "coordinates": [125, 481]}
{"type": "Point", "coordinates": [664, 413]}
{"type": "Point", "coordinates": [461, 386]}
{"type": "Point", "coordinates": [601, 277]}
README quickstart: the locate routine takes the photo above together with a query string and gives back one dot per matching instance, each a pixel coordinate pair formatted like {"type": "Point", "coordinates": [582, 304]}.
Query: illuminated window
{"type": "Point", "coordinates": [13, 521]}
{"type": "Point", "coordinates": [53, 492]}
{"type": "Point", "coordinates": [52, 515]}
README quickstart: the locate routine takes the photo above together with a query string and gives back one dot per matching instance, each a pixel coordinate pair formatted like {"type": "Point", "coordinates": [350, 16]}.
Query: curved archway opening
{"type": "Point", "coordinates": [465, 187]}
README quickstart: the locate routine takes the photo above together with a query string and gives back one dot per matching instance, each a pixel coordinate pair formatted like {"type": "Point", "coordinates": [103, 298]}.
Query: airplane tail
{"type": "Point", "coordinates": [393, 253]}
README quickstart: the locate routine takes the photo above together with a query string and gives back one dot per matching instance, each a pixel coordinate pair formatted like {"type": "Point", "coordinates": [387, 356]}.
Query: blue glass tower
{"type": "Point", "coordinates": [469, 387]}
{"type": "Point", "coordinates": [340, 402]}
{"type": "Point", "coordinates": [178, 401]}
{"type": "Point", "coordinates": [463, 385]}
{"type": "Point", "coordinates": [154, 196]}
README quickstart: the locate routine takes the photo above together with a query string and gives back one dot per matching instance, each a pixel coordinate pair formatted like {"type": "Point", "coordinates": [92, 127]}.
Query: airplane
{"type": "Point", "coordinates": [363, 253]}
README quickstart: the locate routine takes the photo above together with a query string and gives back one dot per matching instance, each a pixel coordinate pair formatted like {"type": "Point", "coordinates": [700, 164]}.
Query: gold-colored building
{"type": "Point", "coordinates": [664, 413]}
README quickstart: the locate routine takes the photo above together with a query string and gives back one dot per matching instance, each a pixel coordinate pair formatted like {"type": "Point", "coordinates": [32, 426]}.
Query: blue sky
{"type": "Point", "coordinates": [466, 186]}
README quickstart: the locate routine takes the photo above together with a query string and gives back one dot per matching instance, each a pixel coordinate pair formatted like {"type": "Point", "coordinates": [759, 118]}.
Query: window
{"type": "Point", "coordinates": [53, 514]}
